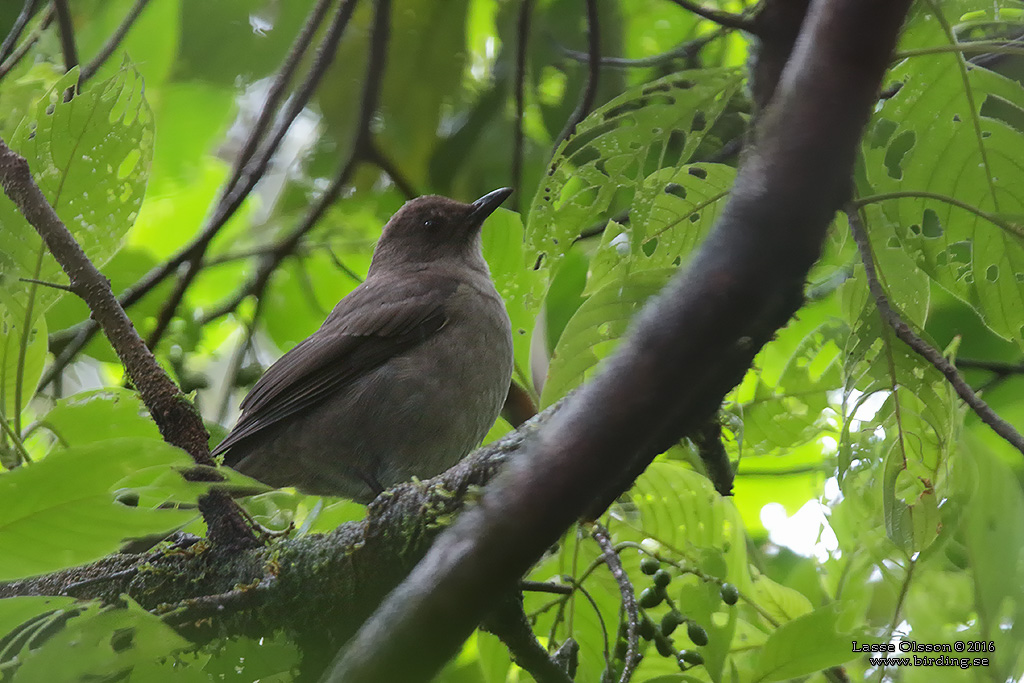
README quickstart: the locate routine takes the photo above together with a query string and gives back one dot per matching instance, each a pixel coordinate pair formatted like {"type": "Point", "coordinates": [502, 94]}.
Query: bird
{"type": "Point", "coordinates": [405, 376]}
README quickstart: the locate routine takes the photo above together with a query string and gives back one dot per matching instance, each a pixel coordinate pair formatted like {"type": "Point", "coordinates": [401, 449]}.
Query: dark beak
{"type": "Point", "coordinates": [485, 206]}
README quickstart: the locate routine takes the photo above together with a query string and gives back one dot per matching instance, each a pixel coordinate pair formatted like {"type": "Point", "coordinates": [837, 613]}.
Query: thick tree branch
{"type": "Point", "coordinates": [175, 416]}
{"type": "Point", "coordinates": [920, 346]}
{"type": "Point", "coordinates": [509, 623]}
{"type": "Point", "coordinates": [257, 591]}
{"type": "Point", "coordinates": [689, 346]}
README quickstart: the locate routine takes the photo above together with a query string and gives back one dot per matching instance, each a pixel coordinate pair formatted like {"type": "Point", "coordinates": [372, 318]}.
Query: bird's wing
{"type": "Point", "coordinates": [361, 333]}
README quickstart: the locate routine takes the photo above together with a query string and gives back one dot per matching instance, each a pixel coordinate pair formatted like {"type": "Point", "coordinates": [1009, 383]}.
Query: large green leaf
{"type": "Point", "coordinates": [654, 126]}
{"type": "Point", "coordinates": [64, 510]}
{"type": "Point", "coordinates": [952, 138]}
{"type": "Point", "coordinates": [90, 157]}
{"type": "Point", "coordinates": [807, 644]}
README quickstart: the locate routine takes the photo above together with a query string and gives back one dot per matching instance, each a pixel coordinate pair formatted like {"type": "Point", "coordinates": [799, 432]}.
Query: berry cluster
{"type": "Point", "coordinates": [661, 634]}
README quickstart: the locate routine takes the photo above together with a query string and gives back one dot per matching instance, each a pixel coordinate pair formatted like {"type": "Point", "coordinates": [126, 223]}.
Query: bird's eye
{"type": "Point", "coordinates": [430, 224]}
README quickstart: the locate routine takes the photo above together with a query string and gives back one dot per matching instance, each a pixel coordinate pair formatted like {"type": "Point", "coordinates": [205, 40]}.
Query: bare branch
{"type": "Point", "coordinates": [725, 19]}
{"type": "Point", "coordinates": [919, 345]}
{"type": "Point", "coordinates": [233, 196]}
{"type": "Point", "coordinates": [629, 605]}
{"type": "Point", "coordinates": [683, 51]}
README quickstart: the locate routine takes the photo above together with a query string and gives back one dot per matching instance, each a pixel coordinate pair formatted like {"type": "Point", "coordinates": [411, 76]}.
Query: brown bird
{"type": "Point", "coordinates": [403, 379]}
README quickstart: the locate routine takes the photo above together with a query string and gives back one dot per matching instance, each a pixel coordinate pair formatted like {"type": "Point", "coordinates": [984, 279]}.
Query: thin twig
{"type": "Point", "coordinates": [522, 41]}
{"type": "Point", "coordinates": [682, 51]}
{"type": "Point", "coordinates": [920, 346]}
{"type": "Point", "coordinates": [90, 69]}
{"type": "Point", "coordinates": [726, 19]}
{"type": "Point", "coordinates": [586, 102]}
{"type": "Point", "coordinates": [376, 156]}
{"type": "Point", "coordinates": [26, 45]}
{"type": "Point", "coordinates": [629, 605]}
{"type": "Point", "coordinates": [67, 34]}
{"type": "Point", "coordinates": [20, 22]}
{"type": "Point", "coordinates": [1000, 368]}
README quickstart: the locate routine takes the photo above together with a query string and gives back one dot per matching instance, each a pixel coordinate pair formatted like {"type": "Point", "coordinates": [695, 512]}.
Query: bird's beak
{"type": "Point", "coordinates": [485, 206]}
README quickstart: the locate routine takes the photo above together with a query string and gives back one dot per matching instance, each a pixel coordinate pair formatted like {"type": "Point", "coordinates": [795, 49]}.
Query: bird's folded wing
{"type": "Point", "coordinates": [360, 334]}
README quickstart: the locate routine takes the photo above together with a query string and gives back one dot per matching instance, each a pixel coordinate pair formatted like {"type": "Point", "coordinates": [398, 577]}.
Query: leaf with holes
{"type": "Point", "coordinates": [654, 126]}
{"type": "Point", "coordinates": [90, 157]}
{"type": "Point", "coordinates": [673, 210]}
{"type": "Point", "coordinates": [596, 328]}
{"type": "Point", "coordinates": [909, 413]}
{"type": "Point", "coordinates": [96, 643]}
{"type": "Point", "coordinates": [944, 159]}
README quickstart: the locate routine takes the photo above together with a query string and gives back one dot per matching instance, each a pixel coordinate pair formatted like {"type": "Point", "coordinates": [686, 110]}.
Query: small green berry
{"type": "Point", "coordinates": [664, 647]}
{"type": "Point", "coordinates": [730, 594]}
{"type": "Point", "coordinates": [670, 621]}
{"type": "Point", "coordinates": [697, 634]}
{"type": "Point", "coordinates": [620, 650]}
{"type": "Point", "coordinates": [662, 578]}
{"type": "Point", "coordinates": [650, 597]}
{"type": "Point", "coordinates": [647, 629]}
{"type": "Point", "coordinates": [691, 657]}
{"type": "Point", "coordinates": [649, 565]}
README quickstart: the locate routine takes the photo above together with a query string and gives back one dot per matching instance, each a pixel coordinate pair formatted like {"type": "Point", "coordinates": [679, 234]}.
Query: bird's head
{"type": "Point", "coordinates": [432, 228]}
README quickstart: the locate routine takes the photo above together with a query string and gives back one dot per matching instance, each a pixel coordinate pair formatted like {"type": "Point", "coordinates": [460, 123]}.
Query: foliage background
{"type": "Point", "coordinates": [917, 504]}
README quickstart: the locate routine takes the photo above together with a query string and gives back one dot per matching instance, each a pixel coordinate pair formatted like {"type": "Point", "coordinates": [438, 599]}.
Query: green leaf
{"type": "Point", "coordinates": [596, 328]}
{"type": "Point", "coordinates": [14, 612]}
{"type": "Point", "coordinates": [521, 288]}
{"type": "Point", "coordinates": [63, 510]}
{"type": "Point", "coordinates": [784, 604]}
{"type": "Point", "coordinates": [100, 643]}
{"type": "Point", "coordinates": [90, 157]}
{"type": "Point", "coordinates": [99, 415]}
{"type": "Point", "coordinates": [653, 126]}
{"type": "Point", "coordinates": [994, 533]}
{"type": "Point", "coordinates": [955, 133]}
{"type": "Point", "coordinates": [807, 644]}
